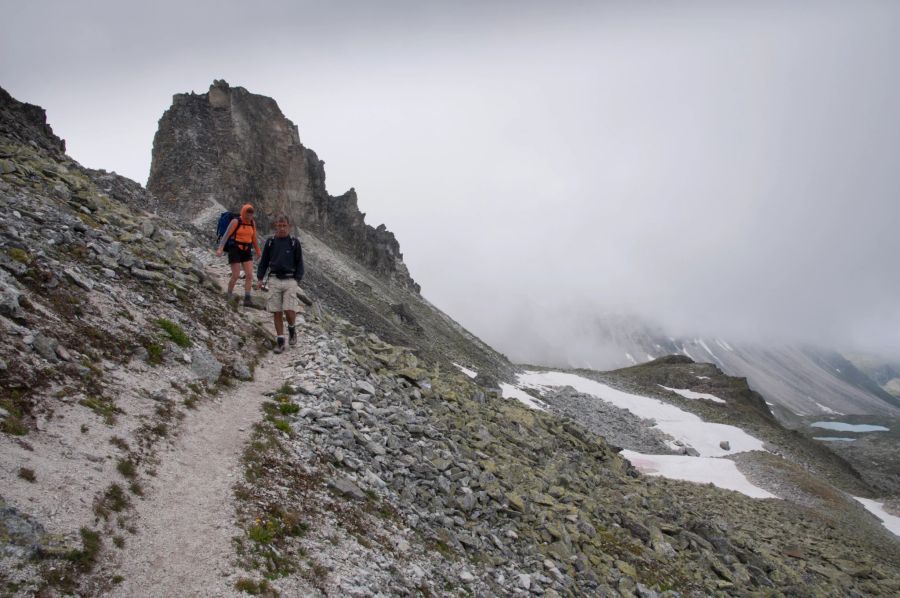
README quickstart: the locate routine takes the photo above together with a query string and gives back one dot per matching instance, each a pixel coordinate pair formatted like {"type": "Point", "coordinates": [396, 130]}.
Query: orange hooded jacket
{"type": "Point", "coordinates": [245, 237]}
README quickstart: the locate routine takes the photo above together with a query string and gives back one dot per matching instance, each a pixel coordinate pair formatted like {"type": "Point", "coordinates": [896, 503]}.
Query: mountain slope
{"type": "Point", "coordinates": [229, 146]}
{"type": "Point", "coordinates": [374, 469]}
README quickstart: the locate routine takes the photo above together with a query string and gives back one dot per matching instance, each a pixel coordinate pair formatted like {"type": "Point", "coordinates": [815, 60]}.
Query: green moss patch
{"type": "Point", "coordinates": [175, 332]}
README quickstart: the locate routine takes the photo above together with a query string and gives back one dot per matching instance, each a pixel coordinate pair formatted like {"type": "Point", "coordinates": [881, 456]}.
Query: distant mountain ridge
{"type": "Point", "coordinates": [798, 380]}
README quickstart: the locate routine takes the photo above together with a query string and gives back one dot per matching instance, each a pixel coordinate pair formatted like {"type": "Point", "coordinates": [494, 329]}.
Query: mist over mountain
{"type": "Point", "coordinates": [721, 170]}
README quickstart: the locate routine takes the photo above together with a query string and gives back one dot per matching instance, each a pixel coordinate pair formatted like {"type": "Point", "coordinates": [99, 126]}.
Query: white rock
{"type": "Point", "coordinates": [524, 581]}
{"type": "Point", "coordinates": [466, 577]}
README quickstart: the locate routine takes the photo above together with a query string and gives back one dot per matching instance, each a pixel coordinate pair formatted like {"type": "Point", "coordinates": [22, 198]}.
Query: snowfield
{"type": "Point", "coordinates": [467, 371]}
{"type": "Point", "coordinates": [689, 429]}
{"type": "Point", "coordinates": [681, 425]}
{"type": "Point", "coordinates": [690, 394]}
{"type": "Point", "coordinates": [701, 470]}
{"type": "Point", "coordinates": [511, 392]}
{"type": "Point", "coordinates": [891, 522]}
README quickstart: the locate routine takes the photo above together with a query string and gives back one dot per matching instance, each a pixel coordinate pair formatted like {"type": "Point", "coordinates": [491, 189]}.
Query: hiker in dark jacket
{"type": "Point", "coordinates": [282, 256]}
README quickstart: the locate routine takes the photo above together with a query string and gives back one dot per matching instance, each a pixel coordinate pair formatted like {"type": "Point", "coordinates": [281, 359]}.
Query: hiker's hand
{"type": "Point", "coordinates": [258, 285]}
{"type": "Point", "coordinates": [219, 251]}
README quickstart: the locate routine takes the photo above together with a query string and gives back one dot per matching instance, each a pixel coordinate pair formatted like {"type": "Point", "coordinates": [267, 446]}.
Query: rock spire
{"type": "Point", "coordinates": [228, 146]}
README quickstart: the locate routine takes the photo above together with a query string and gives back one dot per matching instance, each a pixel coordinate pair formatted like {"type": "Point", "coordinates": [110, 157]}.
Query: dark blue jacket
{"type": "Point", "coordinates": [283, 256]}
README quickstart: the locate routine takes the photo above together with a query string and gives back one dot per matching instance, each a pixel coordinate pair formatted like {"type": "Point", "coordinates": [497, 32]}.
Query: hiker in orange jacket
{"type": "Point", "coordinates": [239, 240]}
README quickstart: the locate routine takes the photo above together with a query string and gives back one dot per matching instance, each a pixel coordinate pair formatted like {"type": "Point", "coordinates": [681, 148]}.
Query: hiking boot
{"type": "Point", "coordinates": [279, 345]}
{"type": "Point", "coordinates": [247, 301]}
{"type": "Point", "coordinates": [292, 336]}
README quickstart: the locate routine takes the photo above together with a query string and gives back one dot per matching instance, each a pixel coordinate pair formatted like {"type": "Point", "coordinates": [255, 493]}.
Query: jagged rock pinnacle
{"type": "Point", "coordinates": [229, 146]}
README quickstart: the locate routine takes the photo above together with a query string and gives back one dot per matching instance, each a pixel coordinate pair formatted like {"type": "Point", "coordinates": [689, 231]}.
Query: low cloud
{"type": "Point", "coordinates": [718, 169]}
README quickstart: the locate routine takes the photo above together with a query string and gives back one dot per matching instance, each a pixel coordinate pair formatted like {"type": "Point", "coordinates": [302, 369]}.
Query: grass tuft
{"type": "Point", "coordinates": [175, 332]}
{"type": "Point", "coordinates": [127, 468]}
{"type": "Point", "coordinates": [113, 500]}
{"type": "Point", "coordinates": [84, 559]}
{"type": "Point", "coordinates": [102, 407]}
{"type": "Point", "coordinates": [154, 353]}
{"type": "Point", "coordinates": [288, 408]}
{"type": "Point", "coordinates": [27, 474]}
{"type": "Point", "coordinates": [254, 588]}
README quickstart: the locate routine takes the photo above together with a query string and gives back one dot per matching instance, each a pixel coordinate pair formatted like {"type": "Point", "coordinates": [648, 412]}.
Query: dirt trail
{"type": "Point", "coordinates": [186, 523]}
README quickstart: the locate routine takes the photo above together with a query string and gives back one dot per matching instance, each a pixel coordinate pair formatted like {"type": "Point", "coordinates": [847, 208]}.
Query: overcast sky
{"type": "Point", "coordinates": [725, 168]}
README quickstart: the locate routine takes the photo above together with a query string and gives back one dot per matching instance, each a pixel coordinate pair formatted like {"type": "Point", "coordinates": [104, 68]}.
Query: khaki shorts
{"type": "Point", "coordinates": [282, 295]}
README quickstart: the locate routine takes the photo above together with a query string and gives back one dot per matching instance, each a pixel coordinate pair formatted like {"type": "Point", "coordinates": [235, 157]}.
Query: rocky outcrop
{"type": "Point", "coordinates": [220, 149]}
{"type": "Point", "coordinates": [27, 124]}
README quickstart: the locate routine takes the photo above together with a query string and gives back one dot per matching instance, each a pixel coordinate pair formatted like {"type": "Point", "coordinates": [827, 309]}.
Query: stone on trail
{"type": "Point", "coordinates": [725, 445]}
{"type": "Point", "coordinates": [205, 365]}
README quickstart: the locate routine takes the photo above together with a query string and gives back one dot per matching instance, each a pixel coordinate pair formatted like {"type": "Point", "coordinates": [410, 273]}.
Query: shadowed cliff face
{"type": "Point", "coordinates": [221, 149]}
{"type": "Point", "coordinates": [27, 123]}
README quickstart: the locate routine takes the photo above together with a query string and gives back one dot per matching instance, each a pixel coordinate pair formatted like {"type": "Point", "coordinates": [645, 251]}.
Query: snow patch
{"type": "Point", "coordinates": [701, 470]}
{"type": "Point", "coordinates": [724, 345]}
{"type": "Point", "coordinates": [467, 371]}
{"type": "Point", "coordinates": [891, 522]}
{"type": "Point", "coordinates": [826, 409]}
{"type": "Point", "coordinates": [703, 436]}
{"type": "Point", "coordinates": [632, 359]}
{"type": "Point", "coordinates": [833, 439]}
{"type": "Point", "coordinates": [513, 392]}
{"type": "Point", "coordinates": [690, 394]}
{"type": "Point", "coordinates": [702, 377]}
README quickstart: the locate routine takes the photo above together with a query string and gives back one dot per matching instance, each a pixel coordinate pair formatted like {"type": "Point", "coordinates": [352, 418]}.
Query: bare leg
{"type": "Point", "coordinates": [248, 277]}
{"type": "Point", "coordinates": [279, 323]}
{"type": "Point", "coordinates": [291, 317]}
{"type": "Point", "coordinates": [235, 274]}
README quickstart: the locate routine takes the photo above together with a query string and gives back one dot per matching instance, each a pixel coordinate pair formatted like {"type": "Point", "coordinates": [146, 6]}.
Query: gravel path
{"type": "Point", "coordinates": [186, 522]}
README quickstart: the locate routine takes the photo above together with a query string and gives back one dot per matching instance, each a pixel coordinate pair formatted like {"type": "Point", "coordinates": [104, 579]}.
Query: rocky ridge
{"type": "Point", "coordinates": [218, 147]}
